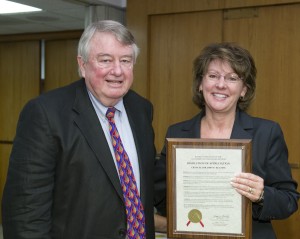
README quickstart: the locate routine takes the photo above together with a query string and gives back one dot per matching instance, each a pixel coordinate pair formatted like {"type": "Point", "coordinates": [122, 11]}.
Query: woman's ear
{"type": "Point", "coordinates": [244, 91]}
{"type": "Point", "coordinates": [200, 87]}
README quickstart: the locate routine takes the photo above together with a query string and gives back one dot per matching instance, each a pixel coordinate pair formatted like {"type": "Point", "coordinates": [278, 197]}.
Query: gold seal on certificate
{"type": "Point", "coordinates": [201, 201]}
{"type": "Point", "coordinates": [195, 216]}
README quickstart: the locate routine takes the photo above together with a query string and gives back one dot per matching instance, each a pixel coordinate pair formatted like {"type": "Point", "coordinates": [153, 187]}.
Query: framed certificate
{"type": "Point", "coordinates": [201, 203]}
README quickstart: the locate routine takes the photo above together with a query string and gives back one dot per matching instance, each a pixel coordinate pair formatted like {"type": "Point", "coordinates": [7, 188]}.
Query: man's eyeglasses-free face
{"type": "Point", "coordinates": [107, 61]}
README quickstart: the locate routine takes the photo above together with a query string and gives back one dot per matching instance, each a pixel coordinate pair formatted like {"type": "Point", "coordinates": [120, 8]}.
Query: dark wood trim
{"type": "Point", "coordinates": [6, 142]}
{"type": "Point", "coordinates": [39, 36]}
{"type": "Point", "coordinates": [294, 165]}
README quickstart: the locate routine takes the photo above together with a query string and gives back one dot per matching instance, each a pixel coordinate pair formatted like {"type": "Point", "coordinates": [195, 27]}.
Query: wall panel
{"type": "Point", "coordinates": [19, 82]}
{"type": "Point", "coordinates": [60, 63]}
{"type": "Point", "coordinates": [173, 45]}
{"type": "Point", "coordinates": [276, 52]}
{"type": "Point", "coordinates": [268, 28]}
{"type": "Point", "coordinates": [4, 156]}
{"type": "Point", "coordinates": [277, 59]}
{"type": "Point", "coordinates": [20, 68]}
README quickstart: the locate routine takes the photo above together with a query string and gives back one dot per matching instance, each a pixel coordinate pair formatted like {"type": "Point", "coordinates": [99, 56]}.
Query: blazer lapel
{"type": "Point", "coordinates": [87, 121]}
{"type": "Point", "coordinates": [194, 127]}
{"type": "Point", "coordinates": [243, 126]}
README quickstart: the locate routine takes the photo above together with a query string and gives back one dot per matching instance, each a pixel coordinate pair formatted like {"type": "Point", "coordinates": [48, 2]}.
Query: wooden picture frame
{"type": "Point", "coordinates": [201, 203]}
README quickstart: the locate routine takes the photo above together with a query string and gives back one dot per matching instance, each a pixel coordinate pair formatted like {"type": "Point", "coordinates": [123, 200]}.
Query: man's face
{"type": "Point", "coordinates": [108, 71]}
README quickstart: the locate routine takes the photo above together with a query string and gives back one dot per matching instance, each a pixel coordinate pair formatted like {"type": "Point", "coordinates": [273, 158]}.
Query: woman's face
{"type": "Point", "coordinates": [221, 88]}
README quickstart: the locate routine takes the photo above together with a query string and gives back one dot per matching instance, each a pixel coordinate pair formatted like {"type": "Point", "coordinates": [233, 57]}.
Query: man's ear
{"type": "Point", "coordinates": [81, 65]}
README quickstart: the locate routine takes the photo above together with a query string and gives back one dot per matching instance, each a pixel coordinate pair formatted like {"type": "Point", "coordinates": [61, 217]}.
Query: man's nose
{"type": "Point", "coordinates": [116, 68]}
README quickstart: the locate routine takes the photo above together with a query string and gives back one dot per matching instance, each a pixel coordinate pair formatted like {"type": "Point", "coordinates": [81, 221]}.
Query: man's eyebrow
{"type": "Point", "coordinates": [103, 54]}
{"type": "Point", "coordinates": [130, 56]}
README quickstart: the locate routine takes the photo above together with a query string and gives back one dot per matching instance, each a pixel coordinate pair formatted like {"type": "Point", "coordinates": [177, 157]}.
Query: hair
{"type": "Point", "coordinates": [240, 61]}
{"type": "Point", "coordinates": [122, 34]}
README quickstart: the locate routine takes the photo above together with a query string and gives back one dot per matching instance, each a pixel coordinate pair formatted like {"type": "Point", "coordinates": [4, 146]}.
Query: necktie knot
{"type": "Point", "coordinates": [110, 113]}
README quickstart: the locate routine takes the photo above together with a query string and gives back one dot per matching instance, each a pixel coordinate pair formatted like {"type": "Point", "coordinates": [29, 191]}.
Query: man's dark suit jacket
{"type": "Point", "coordinates": [62, 182]}
{"type": "Point", "coordinates": [269, 161]}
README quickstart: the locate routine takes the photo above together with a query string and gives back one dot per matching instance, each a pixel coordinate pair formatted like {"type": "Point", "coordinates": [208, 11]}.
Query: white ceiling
{"type": "Point", "coordinates": [57, 15]}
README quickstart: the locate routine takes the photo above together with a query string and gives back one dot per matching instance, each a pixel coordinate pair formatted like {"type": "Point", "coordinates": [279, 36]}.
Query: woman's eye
{"type": "Point", "coordinates": [213, 76]}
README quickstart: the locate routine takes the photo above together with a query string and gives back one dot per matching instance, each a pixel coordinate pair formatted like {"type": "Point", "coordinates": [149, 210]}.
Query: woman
{"type": "Point", "coordinates": [223, 88]}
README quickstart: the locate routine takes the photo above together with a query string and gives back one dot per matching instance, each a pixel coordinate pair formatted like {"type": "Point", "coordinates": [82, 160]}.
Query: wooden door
{"type": "Point", "coordinates": [172, 32]}
{"type": "Point", "coordinates": [19, 82]}
{"type": "Point", "coordinates": [175, 40]}
{"type": "Point", "coordinates": [272, 35]}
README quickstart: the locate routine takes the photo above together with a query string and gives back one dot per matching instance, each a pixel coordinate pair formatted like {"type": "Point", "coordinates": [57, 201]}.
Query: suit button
{"type": "Point", "coordinates": [122, 232]}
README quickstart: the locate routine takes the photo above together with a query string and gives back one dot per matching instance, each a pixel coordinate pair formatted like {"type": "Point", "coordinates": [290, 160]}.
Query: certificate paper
{"type": "Point", "coordinates": [202, 198]}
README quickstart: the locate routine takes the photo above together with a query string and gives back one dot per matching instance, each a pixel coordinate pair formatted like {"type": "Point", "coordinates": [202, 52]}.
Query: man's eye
{"type": "Point", "coordinates": [126, 61]}
{"type": "Point", "coordinates": [104, 60]}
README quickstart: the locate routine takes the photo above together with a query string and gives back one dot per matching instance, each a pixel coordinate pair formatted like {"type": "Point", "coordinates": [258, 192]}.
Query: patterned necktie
{"type": "Point", "coordinates": [133, 204]}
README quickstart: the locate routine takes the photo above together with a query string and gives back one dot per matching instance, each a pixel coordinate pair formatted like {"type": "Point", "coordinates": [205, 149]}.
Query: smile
{"type": "Point", "coordinates": [114, 82]}
{"type": "Point", "coordinates": [220, 96]}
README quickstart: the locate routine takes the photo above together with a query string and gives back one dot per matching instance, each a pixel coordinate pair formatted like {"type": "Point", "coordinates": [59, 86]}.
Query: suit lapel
{"type": "Point", "coordinates": [87, 121]}
{"type": "Point", "coordinates": [137, 127]}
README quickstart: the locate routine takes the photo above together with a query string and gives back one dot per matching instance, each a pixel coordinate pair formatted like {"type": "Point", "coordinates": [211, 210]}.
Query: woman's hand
{"type": "Point", "coordinates": [248, 185]}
